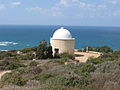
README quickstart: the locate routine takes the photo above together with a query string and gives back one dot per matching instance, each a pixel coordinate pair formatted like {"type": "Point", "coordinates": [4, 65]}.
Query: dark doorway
{"type": "Point", "coordinates": [56, 53]}
{"type": "Point", "coordinates": [56, 50]}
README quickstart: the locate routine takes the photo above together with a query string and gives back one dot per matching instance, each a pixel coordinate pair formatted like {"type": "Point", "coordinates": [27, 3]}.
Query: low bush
{"type": "Point", "coordinates": [26, 50]}
{"type": "Point", "coordinates": [94, 60]}
{"type": "Point", "coordinates": [81, 83]}
{"type": "Point", "coordinates": [103, 58]}
{"type": "Point", "coordinates": [103, 49]}
{"type": "Point", "coordinates": [33, 63]}
{"type": "Point", "coordinates": [10, 65]}
{"type": "Point", "coordinates": [13, 78]}
{"type": "Point", "coordinates": [42, 77]}
{"type": "Point", "coordinates": [35, 70]}
{"type": "Point", "coordinates": [67, 56]}
{"type": "Point", "coordinates": [85, 68]}
{"type": "Point", "coordinates": [15, 66]}
{"type": "Point", "coordinates": [100, 73]}
{"type": "Point", "coordinates": [106, 76]}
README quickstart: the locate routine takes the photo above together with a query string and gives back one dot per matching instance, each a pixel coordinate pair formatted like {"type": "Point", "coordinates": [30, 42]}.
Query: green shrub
{"type": "Point", "coordinates": [67, 55]}
{"type": "Point", "coordinates": [42, 77]}
{"type": "Point", "coordinates": [10, 65]}
{"type": "Point", "coordinates": [106, 76]}
{"type": "Point", "coordinates": [33, 63]}
{"type": "Point", "coordinates": [44, 51]}
{"type": "Point", "coordinates": [29, 70]}
{"type": "Point", "coordinates": [85, 69]}
{"type": "Point", "coordinates": [15, 66]}
{"type": "Point", "coordinates": [103, 49]}
{"type": "Point", "coordinates": [13, 78]}
{"type": "Point", "coordinates": [81, 83]}
{"type": "Point", "coordinates": [35, 70]}
{"type": "Point", "coordinates": [116, 52]}
{"type": "Point", "coordinates": [64, 59]}
{"type": "Point", "coordinates": [56, 55]}
{"type": "Point", "coordinates": [26, 50]}
{"type": "Point", "coordinates": [4, 62]}
{"type": "Point", "coordinates": [88, 68]}
{"type": "Point", "coordinates": [94, 60]}
{"type": "Point", "coordinates": [103, 58]}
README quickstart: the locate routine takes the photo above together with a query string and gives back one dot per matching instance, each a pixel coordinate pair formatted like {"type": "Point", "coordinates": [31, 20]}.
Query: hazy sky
{"type": "Point", "coordinates": [60, 12]}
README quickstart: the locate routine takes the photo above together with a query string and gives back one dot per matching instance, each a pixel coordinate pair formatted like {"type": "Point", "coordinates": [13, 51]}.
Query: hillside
{"type": "Point", "coordinates": [100, 73]}
{"type": "Point", "coordinates": [36, 69]}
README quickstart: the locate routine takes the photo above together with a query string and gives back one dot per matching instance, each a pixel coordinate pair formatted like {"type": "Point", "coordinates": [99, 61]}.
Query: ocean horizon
{"type": "Point", "coordinates": [26, 36]}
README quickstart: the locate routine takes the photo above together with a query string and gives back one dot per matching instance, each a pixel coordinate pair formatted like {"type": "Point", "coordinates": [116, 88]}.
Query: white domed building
{"type": "Point", "coordinates": [62, 41]}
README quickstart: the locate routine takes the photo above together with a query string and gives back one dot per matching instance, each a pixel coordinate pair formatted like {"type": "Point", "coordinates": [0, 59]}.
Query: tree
{"type": "Point", "coordinates": [103, 49]}
{"type": "Point", "coordinates": [49, 52]}
{"type": "Point", "coordinates": [40, 53]}
{"type": "Point", "coordinates": [44, 51]}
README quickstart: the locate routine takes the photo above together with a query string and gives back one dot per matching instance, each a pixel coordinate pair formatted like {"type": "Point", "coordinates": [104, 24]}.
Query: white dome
{"type": "Point", "coordinates": [62, 34]}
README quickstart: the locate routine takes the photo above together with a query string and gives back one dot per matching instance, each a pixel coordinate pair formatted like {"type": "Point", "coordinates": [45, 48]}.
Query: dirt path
{"type": "Point", "coordinates": [83, 56]}
{"type": "Point", "coordinates": [3, 72]}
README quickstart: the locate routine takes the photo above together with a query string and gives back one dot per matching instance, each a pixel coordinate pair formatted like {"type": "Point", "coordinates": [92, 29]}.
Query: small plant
{"type": "Point", "coordinates": [67, 55]}
{"type": "Point", "coordinates": [33, 63]}
{"type": "Point", "coordinates": [35, 70]}
{"type": "Point", "coordinates": [94, 60]}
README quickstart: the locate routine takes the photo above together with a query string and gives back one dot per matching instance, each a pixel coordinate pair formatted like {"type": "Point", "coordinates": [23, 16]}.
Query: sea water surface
{"type": "Point", "coordinates": [25, 36]}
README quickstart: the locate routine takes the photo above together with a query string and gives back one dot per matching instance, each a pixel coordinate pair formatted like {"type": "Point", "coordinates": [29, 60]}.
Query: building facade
{"type": "Point", "coordinates": [62, 41]}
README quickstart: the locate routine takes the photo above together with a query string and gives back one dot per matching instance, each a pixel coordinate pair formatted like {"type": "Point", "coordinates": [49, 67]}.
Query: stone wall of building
{"type": "Point", "coordinates": [63, 45]}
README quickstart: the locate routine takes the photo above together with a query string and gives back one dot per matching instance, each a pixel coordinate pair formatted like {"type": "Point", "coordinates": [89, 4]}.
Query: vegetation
{"type": "Point", "coordinates": [44, 51]}
{"type": "Point", "coordinates": [10, 64]}
{"type": "Point", "coordinates": [103, 49]}
{"type": "Point", "coordinates": [67, 56]}
{"type": "Point", "coordinates": [105, 57]}
{"type": "Point", "coordinates": [4, 54]}
{"type": "Point", "coordinates": [100, 73]}
{"type": "Point", "coordinates": [33, 63]}
{"type": "Point", "coordinates": [14, 78]}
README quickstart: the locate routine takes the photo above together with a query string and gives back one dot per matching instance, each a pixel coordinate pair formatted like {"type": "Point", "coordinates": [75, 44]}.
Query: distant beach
{"type": "Point", "coordinates": [17, 37]}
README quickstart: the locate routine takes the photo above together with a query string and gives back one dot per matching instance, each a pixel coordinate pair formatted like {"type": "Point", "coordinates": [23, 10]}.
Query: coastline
{"type": "Point", "coordinates": [19, 37]}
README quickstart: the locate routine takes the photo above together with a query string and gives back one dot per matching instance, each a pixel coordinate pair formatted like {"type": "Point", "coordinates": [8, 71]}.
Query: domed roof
{"type": "Point", "coordinates": [62, 34]}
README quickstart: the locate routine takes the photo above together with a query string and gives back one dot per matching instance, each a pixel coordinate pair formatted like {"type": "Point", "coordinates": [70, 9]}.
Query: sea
{"type": "Point", "coordinates": [13, 37]}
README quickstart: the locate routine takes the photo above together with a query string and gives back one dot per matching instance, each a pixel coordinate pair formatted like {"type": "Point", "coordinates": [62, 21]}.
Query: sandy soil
{"type": "Point", "coordinates": [3, 72]}
{"type": "Point", "coordinates": [83, 56]}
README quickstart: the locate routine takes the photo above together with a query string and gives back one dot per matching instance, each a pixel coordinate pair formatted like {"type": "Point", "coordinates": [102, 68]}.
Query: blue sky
{"type": "Point", "coordinates": [60, 12]}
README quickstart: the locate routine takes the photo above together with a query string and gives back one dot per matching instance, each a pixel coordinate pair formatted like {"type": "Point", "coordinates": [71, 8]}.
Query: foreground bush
{"type": "Point", "coordinates": [85, 68]}
{"type": "Point", "coordinates": [33, 63]}
{"type": "Point", "coordinates": [10, 65]}
{"type": "Point", "coordinates": [13, 78]}
{"type": "Point", "coordinates": [42, 77]}
{"type": "Point", "coordinates": [76, 82]}
{"type": "Point", "coordinates": [102, 73]}
{"type": "Point", "coordinates": [106, 76]}
{"type": "Point", "coordinates": [66, 56]}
